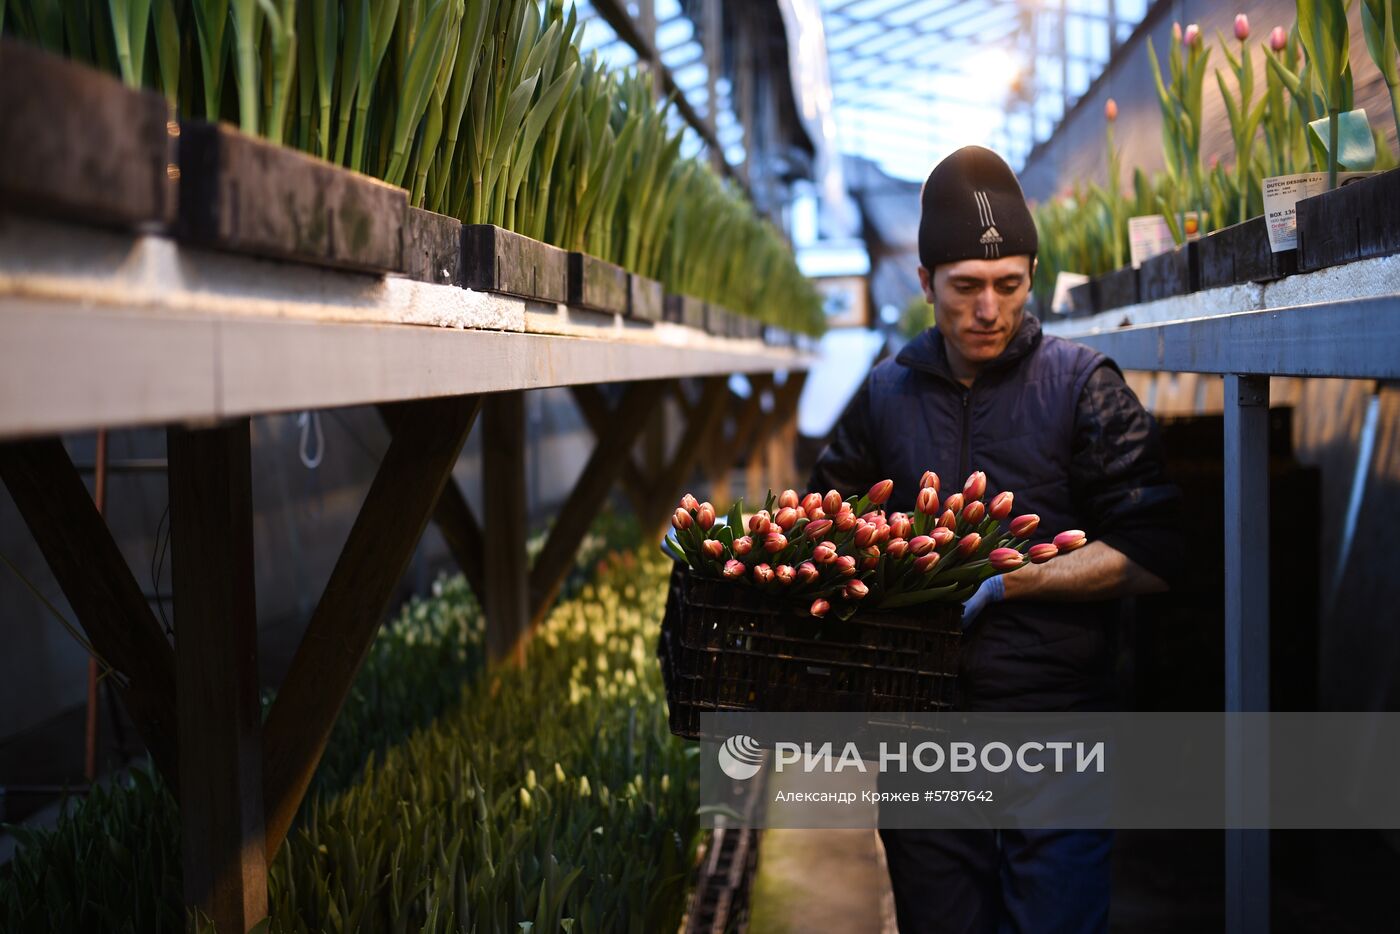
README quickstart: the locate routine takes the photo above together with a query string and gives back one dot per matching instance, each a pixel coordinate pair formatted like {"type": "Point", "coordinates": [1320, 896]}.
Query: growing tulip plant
{"type": "Point", "coordinates": [836, 554]}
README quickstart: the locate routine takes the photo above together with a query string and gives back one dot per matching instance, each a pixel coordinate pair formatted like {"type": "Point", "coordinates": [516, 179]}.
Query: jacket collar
{"type": "Point", "coordinates": [928, 353]}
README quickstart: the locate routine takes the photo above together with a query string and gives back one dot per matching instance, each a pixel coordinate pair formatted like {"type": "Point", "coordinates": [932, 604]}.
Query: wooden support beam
{"type": "Point", "coordinates": [726, 451]}
{"type": "Point", "coordinates": [216, 662]}
{"type": "Point", "coordinates": [505, 597]}
{"type": "Point", "coordinates": [612, 450]}
{"type": "Point", "coordinates": [89, 567]}
{"type": "Point", "coordinates": [455, 520]}
{"type": "Point", "coordinates": [405, 491]}
{"type": "Point", "coordinates": [693, 442]}
{"type": "Point", "coordinates": [785, 398]}
{"type": "Point", "coordinates": [595, 411]}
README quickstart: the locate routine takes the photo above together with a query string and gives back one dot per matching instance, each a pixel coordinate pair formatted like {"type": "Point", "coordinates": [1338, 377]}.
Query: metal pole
{"type": "Point", "coordinates": [713, 39]}
{"type": "Point", "coordinates": [1246, 647]}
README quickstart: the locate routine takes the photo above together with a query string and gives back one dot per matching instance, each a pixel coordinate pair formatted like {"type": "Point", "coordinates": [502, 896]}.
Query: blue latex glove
{"type": "Point", "coordinates": [993, 590]}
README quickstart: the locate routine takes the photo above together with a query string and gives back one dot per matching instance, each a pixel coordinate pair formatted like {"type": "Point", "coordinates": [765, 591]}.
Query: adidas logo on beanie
{"type": "Point", "coordinates": [972, 208]}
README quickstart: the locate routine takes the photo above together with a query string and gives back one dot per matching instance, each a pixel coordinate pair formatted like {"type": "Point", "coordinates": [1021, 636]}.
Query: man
{"type": "Point", "coordinates": [1054, 422]}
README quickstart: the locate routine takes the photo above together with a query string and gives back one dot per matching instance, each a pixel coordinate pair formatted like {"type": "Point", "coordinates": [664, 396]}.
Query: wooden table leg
{"type": "Point", "coordinates": [506, 566]}
{"type": "Point", "coordinates": [216, 671]}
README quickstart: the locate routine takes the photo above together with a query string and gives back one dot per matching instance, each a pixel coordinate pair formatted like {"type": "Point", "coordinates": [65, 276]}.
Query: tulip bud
{"type": "Point", "coordinates": [969, 544]}
{"type": "Point", "coordinates": [1023, 526]}
{"type": "Point", "coordinates": [921, 545]}
{"type": "Point", "coordinates": [1176, 32]}
{"type": "Point", "coordinates": [974, 512]}
{"type": "Point", "coordinates": [817, 529]}
{"type": "Point", "coordinates": [925, 563]}
{"type": "Point", "coordinates": [880, 492]}
{"type": "Point", "coordinates": [846, 565]}
{"type": "Point", "coordinates": [774, 542]}
{"type": "Point", "coordinates": [733, 569]}
{"type": "Point", "coordinates": [689, 502]}
{"type": "Point", "coordinates": [807, 572]}
{"type": "Point", "coordinates": [786, 574]}
{"type": "Point", "coordinates": [760, 523]}
{"type": "Point", "coordinates": [802, 513]}
{"type": "Point", "coordinates": [1241, 27]}
{"type": "Point", "coordinates": [705, 516]}
{"type": "Point", "coordinates": [975, 486]}
{"type": "Point", "coordinates": [1005, 559]}
{"type": "Point", "coordinates": [1278, 39]}
{"type": "Point", "coordinates": [819, 607]}
{"type": "Point", "coordinates": [942, 536]}
{"type": "Point", "coordinates": [1001, 505]}
{"type": "Point", "coordinates": [1110, 110]}
{"type": "Point", "coordinates": [897, 548]}
{"type": "Point", "coordinates": [1039, 554]}
{"type": "Point", "coordinates": [927, 501]}
{"type": "Point", "coordinates": [929, 480]}
{"type": "Point", "coordinates": [954, 503]}
{"type": "Point", "coordinates": [788, 499]}
{"type": "Point", "coordinates": [1070, 540]}
{"type": "Point", "coordinates": [846, 521]}
{"type": "Point", "coordinates": [786, 517]}
{"type": "Point", "coordinates": [865, 534]}
{"type": "Point", "coordinates": [948, 520]}
{"type": "Point", "coordinates": [833, 502]}
{"type": "Point", "coordinates": [742, 545]}
{"type": "Point", "coordinates": [855, 590]}
{"type": "Point", "coordinates": [713, 548]}
{"type": "Point", "coordinates": [811, 501]}
{"type": "Point", "coordinates": [901, 527]}
{"type": "Point", "coordinates": [682, 520]}
{"type": "Point", "coordinates": [762, 574]}
{"type": "Point", "coordinates": [815, 514]}
{"type": "Point", "coordinates": [870, 562]}
{"type": "Point", "coordinates": [1192, 36]}
{"type": "Point", "coordinates": [824, 553]}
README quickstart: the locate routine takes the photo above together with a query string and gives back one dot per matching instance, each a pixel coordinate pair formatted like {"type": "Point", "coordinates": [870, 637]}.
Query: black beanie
{"type": "Point", "coordinates": [972, 208]}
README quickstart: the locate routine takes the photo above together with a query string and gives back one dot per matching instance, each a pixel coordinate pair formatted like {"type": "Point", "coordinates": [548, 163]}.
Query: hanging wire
{"type": "Point", "coordinates": [73, 630]}
{"type": "Point", "coordinates": [158, 553]}
{"type": "Point", "coordinates": [309, 421]}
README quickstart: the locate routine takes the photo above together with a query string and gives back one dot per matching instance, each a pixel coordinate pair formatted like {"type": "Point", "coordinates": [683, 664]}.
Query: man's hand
{"type": "Point", "coordinates": [993, 590]}
{"type": "Point", "coordinates": [1097, 571]}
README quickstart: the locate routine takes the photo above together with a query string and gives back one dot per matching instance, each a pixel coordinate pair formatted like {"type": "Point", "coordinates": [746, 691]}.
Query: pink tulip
{"type": "Point", "coordinates": [969, 544]}
{"type": "Point", "coordinates": [870, 562]}
{"type": "Point", "coordinates": [689, 502]}
{"type": "Point", "coordinates": [682, 520]}
{"type": "Point", "coordinates": [787, 516]}
{"type": "Point", "coordinates": [819, 607]}
{"type": "Point", "coordinates": [705, 516]}
{"type": "Point", "coordinates": [824, 553]}
{"type": "Point", "coordinates": [802, 513]}
{"type": "Point", "coordinates": [817, 529]}
{"type": "Point", "coordinates": [898, 548]}
{"type": "Point", "coordinates": [880, 492]}
{"type": "Point", "coordinates": [846, 521]}
{"type": "Point", "coordinates": [760, 523]}
{"type": "Point", "coordinates": [774, 542]}
{"type": "Point", "coordinates": [1110, 110]}
{"type": "Point", "coordinates": [1005, 559]}
{"type": "Point", "coordinates": [1176, 32]}
{"type": "Point", "coordinates": [1001, 505]}
{"type": "Point", "coordinates": [1023, 526]}
{"type": "Point", "coordinates": [788, 499]}
{"type": "Point", "coordinates": [763, 574]}
{"type": "Point", "coordinates": [811, 501]}
{"type": "Point", "coordinates": [1192, 36]}
{"type": "Point", "coordinates": [975, 486]}
{"type": "Point", "coordinates": [786, 574]}
{"type": "Point", "coordinates": [901, 527]}
{"type": "Point", "coordinates": [942, 536]}
{"type": "Point", "coordinates": [1070, 540]}
{"type": "Point", "coordinates": [925, 564]}
{"type": "Point", "coordinates": [1039, 554]}
{"type": "Point", "coordinates": [846, 566]}
{"type": "Point", "coordinates": [855, 590]}
{"type": "Point", "coordinates": [927, 501]}
{"type": "Point", "coordinates": [1278, 39]}
{"type": "Point", "coordinates": [807, 572]}
{"type": "Point", "coordinates": [814, 514]}
{"type": "Point", "coordinates": [876, 518]}
{"type": "Point", "coordinates": [865, 534]}
{"type": "Point", "coordinates": [921, 545]}
{"type": "Point", "coordinates": [929, 479]}
{"type": "Point", "coordinates": [974, 512]}
{"type": "Point", "coordinates": [742, 545]}
{"type": "Point", "coordinates": [948, 520]}
{"type": "Point", "coordinates": [713, 549]}
{"type": "Point", "coordinates": [954, 503]}
{"type": "Point", "coordinates": [1241, 27]}
{"type": "Point", "coordinates": [734, 569]}
{"type": "Point", "coordinates": [833, 502]}
{"type": "Point", "coordinates": [882, 534]}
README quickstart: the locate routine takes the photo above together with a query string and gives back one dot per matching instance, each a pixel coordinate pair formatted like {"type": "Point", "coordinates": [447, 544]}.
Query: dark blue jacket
{"type": "Point", "coordinates": [1052, 421]}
